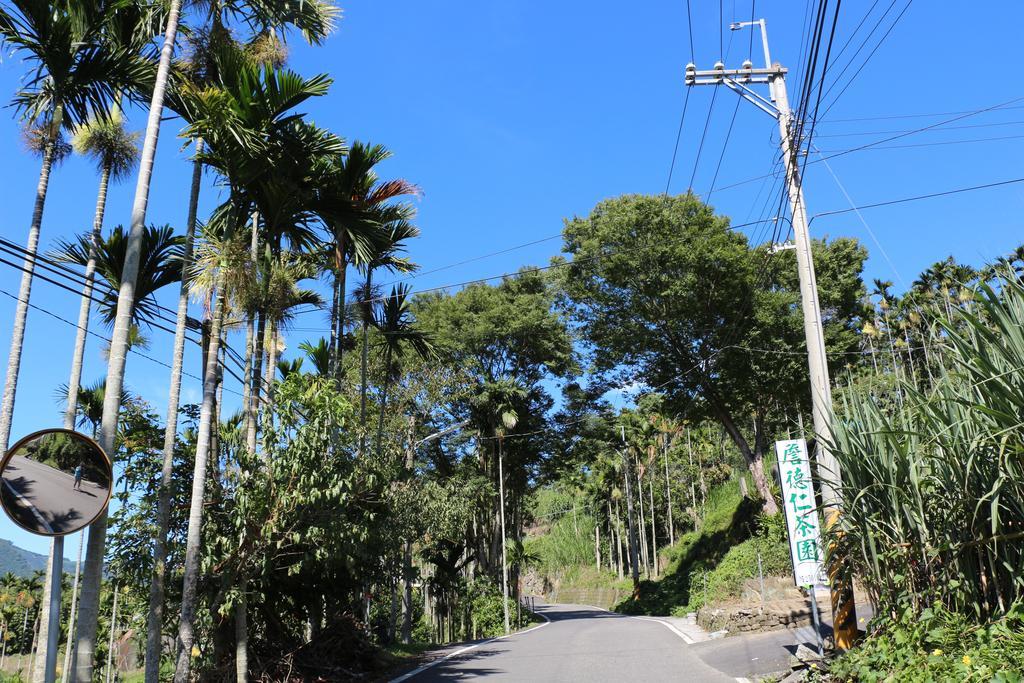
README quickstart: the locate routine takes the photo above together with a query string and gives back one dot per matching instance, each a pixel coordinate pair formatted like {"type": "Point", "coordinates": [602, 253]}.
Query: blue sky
{"type": "Point", "coordinates": [515, 115]}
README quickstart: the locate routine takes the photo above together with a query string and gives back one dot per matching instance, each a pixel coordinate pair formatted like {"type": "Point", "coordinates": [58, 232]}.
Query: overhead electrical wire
{"type": "Point", "coordinates": [874, 143]}
{"type": "Point", "coordinates": [866, 60]}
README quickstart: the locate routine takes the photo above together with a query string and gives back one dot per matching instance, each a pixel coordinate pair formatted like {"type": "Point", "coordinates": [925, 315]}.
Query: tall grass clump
{"type": "Point", "coordinates": [933, 491]}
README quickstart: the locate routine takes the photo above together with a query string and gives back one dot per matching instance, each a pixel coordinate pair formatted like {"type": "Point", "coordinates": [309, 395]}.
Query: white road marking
{"type": "Point", "coordinates": [32, 508]}
{"type": "Point", "coordinates": [416, 672]}
{"type": "Point", "coordinates": [686, 639]}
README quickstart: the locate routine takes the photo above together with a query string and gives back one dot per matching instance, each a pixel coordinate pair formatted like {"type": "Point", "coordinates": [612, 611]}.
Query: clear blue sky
{"type": "Point", "coordinates": [515, 115]}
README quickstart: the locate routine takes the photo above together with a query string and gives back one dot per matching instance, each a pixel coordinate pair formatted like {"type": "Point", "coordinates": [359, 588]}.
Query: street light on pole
{"type": "Point", "coordinates": [776, 105]}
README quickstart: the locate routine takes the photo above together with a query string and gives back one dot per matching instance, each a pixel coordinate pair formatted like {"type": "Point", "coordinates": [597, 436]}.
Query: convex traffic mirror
{"type": "Point", "coordinates": [55, 482]}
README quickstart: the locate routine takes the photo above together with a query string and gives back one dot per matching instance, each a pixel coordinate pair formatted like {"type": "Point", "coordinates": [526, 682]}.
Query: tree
{"type": "Point", "coordinates": [159, 266]}
{"type": "Point", "coordinates": [360, 218]}
{"type": "Point", "coordinates": [77, 68]}
{"type": "Point", "coordinates": [115, 153]}
{"type": "Point", "coordinates": [665, 293]}
{"type": "Point", "coordinates": [494, 335]}
{"type": "Point", "coordinates": [397, 331]}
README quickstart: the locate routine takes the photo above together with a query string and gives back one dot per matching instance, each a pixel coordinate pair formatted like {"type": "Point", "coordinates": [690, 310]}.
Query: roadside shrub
{"type": "Point", "coordinates": [939, 646]}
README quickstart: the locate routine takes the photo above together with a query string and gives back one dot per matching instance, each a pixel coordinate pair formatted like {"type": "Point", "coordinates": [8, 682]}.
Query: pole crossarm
{"type": "Point", "coordinates": [754, 98]}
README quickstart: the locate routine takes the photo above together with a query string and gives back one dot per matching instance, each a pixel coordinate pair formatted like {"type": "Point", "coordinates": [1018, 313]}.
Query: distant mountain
{"type": "Point", "coordinates": [23, 562]}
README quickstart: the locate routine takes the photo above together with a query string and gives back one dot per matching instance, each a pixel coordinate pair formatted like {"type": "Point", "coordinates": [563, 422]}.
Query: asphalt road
{"type": "Point", "coordinates": [43, 497]}
{"type": "Point", "coordinates": [580, 644]}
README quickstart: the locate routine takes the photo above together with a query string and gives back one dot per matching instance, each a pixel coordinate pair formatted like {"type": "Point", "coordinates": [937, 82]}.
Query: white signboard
{"type": "Point", "coordinates": [801, 514]}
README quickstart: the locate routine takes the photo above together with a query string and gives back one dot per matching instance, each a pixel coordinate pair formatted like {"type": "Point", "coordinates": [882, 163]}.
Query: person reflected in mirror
{"type": "Point", "coordinates": [78, 476]}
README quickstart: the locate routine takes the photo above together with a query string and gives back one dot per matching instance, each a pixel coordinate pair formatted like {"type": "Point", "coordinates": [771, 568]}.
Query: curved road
{"type": "Point", "coordinates": [45, 498]}
{"type": "Point", "coordinates": [579, 644]}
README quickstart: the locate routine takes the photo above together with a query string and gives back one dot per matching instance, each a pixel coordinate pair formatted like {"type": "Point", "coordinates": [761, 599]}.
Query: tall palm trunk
{"type": "Point", "coordinates": [384, 398]}
{"type": "Point", "coordinates": [250, 331]}
{"type": "Point", "coordinates": [272, 354]}
{"type": "Point", "coordinates": [407, 551]}
{"type": "Point", "coordinates": [92, 578]}
{"type": "Point", "coordinates": [241, 636]}
{"type": "Point", "coordinates": [365, 362]}
{"type": "Point", "coordinates": [341, 268]}
{"type": "Point", "coordinates": [332, 342]}
{"type": "Point", "coordinates": [504, 557]}
{"type": "Point", "coordinates": [186, 632]}
{"type": "Point", "coordinates": [85, 307]}
{"type": "Point", "coordinates": [154, 623]}
{"type": "Point", "coordinates": [668, 500]}
{"type": "Point", "coordinates": [25, 291]}
{"type": "Point", "coordinates": [654, 532]}
{"type": "Point", "coordinates": [70, 645]}
{"type": "Point", "coordinates": [256, 383]}
{"type": "Point", "coordinates": [110, 645]}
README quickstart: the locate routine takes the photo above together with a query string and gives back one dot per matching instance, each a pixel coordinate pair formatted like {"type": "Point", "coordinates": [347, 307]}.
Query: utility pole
{"type": "Point", "coordinates": [777, 106]}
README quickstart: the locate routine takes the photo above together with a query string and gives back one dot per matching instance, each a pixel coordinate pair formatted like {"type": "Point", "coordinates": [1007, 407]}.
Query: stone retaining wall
{"type": "Point", "coordinates": [771, 616]}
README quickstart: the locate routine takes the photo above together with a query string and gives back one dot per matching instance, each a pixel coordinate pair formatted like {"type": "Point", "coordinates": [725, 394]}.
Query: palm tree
{"type": "Point", "coordinates": [357, 211]}
{"type": "Point", "coordinates": [282, 297]}
{"type": "Point", "coordinates": [497, 407]}
{"type": "Point", "coordinates": [397, 331]}
{"type": "Point", "coordinates": [396, 220]}
{"type": "Point", "coordinates": [159, 266]}
{"type": "Point", "coordinates": [77, 67]}
{"type": "Point", "coordinates": [319, 354]}
{"type": "Point", "coordinates": [115, 152]}
{"type": "Point", "coordinates": [154, 622]}
{"type": "Point", "coordinates": [315, 20]}
{"type": "Point", "coordinates": [219, 256]}
{"type": "Point", "coordinates": [259, 137]}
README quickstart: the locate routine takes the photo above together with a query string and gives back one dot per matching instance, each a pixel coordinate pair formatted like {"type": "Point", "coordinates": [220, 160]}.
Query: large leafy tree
{"type": "Point", "coordinates": [496, 335]}
{"type": "Point", "coordinates": [666, 294]}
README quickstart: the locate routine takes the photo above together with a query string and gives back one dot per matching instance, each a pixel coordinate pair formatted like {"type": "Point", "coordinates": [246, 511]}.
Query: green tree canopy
{"type": "Point", "coordinates": [666, 294]}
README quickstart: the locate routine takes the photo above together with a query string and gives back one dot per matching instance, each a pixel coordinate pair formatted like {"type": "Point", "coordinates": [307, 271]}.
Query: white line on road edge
{"type": "Point", "coordinates": [686, 639]}
{"type": "Point", "coordinates": [32, 508]}
{"type": "Point", "coordinates": [416, 672]}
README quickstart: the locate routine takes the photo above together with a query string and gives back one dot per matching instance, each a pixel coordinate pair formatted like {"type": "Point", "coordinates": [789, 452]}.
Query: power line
{"type": "Point", "coordinates": [725, 145]}
{"type": "Point", "coordinates": [913, 116]}
{"type": "Point", "coordinates": [866, 60]}
{"type": "Point", "coordinates": [937, 143]}
{"type": "Point", "coordinates": [703, 136]}
{"type": "Point", "coordinates": [679, 135]}
{"type": "Point", "coordinates": [44, 278]}
{"type": "Point", "coordinates": [875, 143]}
{"type": "Point", "coordinates": [95, 334]}
{"type": "Point", "coordinates": [473, 260]}
{"type": "Point", "coordinates": [920, 197]}
{"type": "Point", "coordinates": [890, 132]}
{"type": "Point", "coordinates": [63, 270]}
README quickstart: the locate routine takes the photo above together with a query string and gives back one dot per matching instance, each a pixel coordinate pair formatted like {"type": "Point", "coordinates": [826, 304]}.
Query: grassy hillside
{"type": "Point", "coordinates": [710, 564]}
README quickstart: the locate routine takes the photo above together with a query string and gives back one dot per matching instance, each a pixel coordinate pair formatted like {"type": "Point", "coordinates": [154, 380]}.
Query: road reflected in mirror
{"type": "Point", "coordinates": [55, 482]}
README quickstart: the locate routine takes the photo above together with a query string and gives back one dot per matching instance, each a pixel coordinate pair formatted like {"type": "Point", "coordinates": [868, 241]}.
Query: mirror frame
{"type": "Point", "coordinates": [59, 430]}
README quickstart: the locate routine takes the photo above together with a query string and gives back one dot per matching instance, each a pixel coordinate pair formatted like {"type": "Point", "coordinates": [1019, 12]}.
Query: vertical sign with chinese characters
{"type": "Point", "coordinates": [801, 513]}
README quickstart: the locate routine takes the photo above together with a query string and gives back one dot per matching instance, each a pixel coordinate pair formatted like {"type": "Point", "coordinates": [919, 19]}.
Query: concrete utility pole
{"type": "Point", "coordinates": [777, 106]}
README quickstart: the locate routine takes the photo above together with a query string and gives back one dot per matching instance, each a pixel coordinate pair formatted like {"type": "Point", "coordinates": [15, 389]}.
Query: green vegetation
{"type": "Point", "coordinates": [934, 485]}
{"type": "Point", "coordinates": [710, 564]}
{"type": "Point", "coordinates": [605, 422]}
{"type": "Point", "coordinates": [940, 646]}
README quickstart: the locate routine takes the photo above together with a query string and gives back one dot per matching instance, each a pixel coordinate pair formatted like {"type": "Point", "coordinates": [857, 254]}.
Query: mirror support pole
{"type": "Point", "coordinates": [53, 624]}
